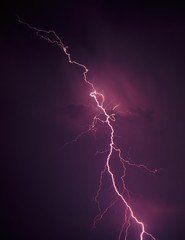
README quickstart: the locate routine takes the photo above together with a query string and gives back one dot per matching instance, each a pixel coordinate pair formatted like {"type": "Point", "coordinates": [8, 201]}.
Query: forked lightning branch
{"type": "Point", "coordinates": [113, 148]}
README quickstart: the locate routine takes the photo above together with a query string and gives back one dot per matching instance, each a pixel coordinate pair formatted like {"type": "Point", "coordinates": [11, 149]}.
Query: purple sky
{"type": "Point", "coordinates": [135, 55]}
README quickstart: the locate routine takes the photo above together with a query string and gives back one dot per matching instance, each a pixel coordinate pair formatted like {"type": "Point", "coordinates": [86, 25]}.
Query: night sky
{"type": "Point", "coordinates": [135, 56]}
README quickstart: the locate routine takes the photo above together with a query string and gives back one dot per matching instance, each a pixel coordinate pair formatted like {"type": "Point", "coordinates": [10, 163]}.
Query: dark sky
{"type": "Point", "coordinates": [135, 55]}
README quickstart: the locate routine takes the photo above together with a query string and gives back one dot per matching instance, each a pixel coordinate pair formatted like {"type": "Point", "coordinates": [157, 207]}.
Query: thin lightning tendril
{"type": "Point", "coordinates": [99, 100]}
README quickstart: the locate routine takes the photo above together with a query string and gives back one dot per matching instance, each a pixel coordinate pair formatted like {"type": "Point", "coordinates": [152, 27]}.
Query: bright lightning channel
{"type": "Point", "coordinates": [99, 101]}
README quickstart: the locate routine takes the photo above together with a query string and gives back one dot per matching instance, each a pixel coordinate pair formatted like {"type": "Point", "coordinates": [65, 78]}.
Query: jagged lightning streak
{"type": "Point", "coordinates": [99, 100]}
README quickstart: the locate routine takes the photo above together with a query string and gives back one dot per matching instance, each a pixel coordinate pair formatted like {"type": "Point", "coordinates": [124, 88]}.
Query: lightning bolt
{"type": "Point", "coordinates": [99, 100]}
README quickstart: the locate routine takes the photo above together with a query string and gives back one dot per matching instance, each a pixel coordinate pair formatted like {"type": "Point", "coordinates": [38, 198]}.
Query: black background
{"type": "Point", "coordinates": [135, 53]}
